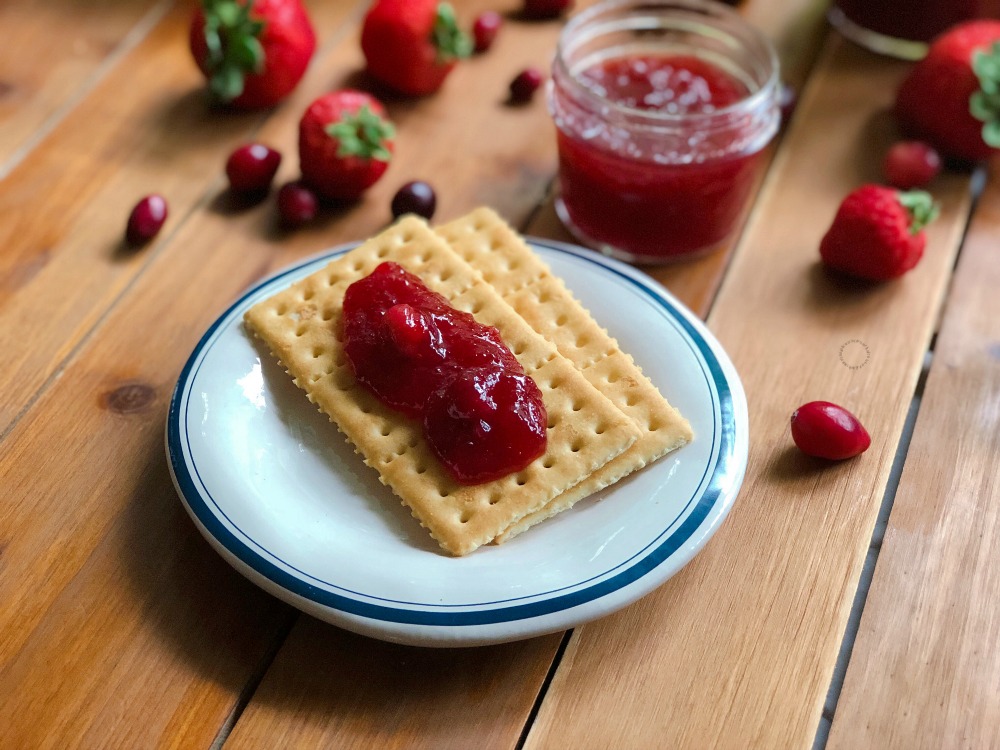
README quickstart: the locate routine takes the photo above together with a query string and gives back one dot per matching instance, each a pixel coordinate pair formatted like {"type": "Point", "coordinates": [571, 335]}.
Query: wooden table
{"type": "Point", "coordinates": [120, 627]}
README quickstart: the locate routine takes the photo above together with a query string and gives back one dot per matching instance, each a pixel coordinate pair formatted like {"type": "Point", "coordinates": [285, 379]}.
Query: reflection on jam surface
{"type": "Point", "coordinates": [671, 84]}
{"type": "Point", "coordinates": [916, 20]}
{"type": "Point", "coordinates": [656, 209]}
{"type": "Point", "coordinates": [482, 416]}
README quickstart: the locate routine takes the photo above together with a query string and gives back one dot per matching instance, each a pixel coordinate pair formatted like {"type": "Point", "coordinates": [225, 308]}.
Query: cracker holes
{"type": "Point", "coordinates": [553, 421]}
{"type": "Point", "coordinates": [520, 348]}
{"type": "Point", "coordinates": [421, 469]}
{"type": "Point", "coordinates": [300, 331]}
{"type": "Point", "coordinates": [600, 429]}
{"type": "Point", "coordinates": [544, 296]}
{"type": "Point", "coordinates": [317, 352]}
{"type": "Point", "coordinates": [332, 279]}
{"type": "Point", "coordinates": [613, 377]}
{"type": "Point", "coordinates": [521, 479]}
{"type": "Point", "coordinates": [577, 445]}
{"type": "Point", "coordinates": [356, 266]}
{"type": "Point", "coordinates": [386, 430]}
{"type": "Point", "coordinates": [282, 309]}
{"type": "Point", "coordinates": [654, 425]}
{"type": "Point", "coordinates": [308, 294]}
{"type": "Point", "coordinates": [423, 257]}
{"type": "Point", "coordinates": [549, 462]}
{"type": "Point", "coordinates": [382, 252]}
{"type": "Point", "coordinates": [327, 315]}
{"type": "Point", "coordinates": [465, 517]}
{"type": "Point", "coordinates": [576, 406]}
{"type": "Point", "coordinates": [632, 400]}
{"type": "Point", "coordinates": [495, 497]}
{"type": "Point", "coordinates": [561, 320]}
{"type": "Point", "coordinates": [406, 238]}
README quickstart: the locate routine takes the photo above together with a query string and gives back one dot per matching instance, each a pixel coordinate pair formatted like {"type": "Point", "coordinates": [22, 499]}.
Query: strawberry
{"type": "Point", "coordinates": [412, 45]}
{"type": "Point", "coordinates": [878, 232]}
{"type": "Point", "coordinates": [951, 98]}
{"type": "Point", "coordinates": [253, 52]}
{"type": "Point", "coordinates": [345, 144]}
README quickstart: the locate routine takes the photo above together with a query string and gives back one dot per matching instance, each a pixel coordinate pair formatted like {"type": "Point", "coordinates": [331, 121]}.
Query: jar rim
{"type": "Point", "coordinates": [767, 90]}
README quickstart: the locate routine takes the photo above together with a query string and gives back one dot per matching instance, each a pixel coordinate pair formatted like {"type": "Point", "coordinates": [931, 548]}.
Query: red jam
{"type": "Point", "coordinates": [915, 20]}
{"type": "Point", "coordinates": [482, 416]}
{"type": "Point", "coordinates": [650, 207]}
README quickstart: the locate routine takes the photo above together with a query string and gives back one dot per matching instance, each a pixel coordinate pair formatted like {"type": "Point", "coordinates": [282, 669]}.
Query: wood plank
{"type": "Point", "coordinates": [408, 697]}
{"type": "Point", "coordinates": [925, 669]}
{"type": "Point", "coordinates": [63, 208]}
{"type": "Point", "coordinates": [79, 39]}
{"type": "Point", "coordinates": [738, 650]}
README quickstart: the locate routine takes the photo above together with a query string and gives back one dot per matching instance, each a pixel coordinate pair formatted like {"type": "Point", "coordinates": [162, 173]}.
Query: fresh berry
{"type": "Point", "coordinates": [252, 167]}
{"type": "Point", "coordinates": [911, 164]}
{"type": "Point", "coordinates": [525, 84]}
{"type": "Point", "coordinates": [878, 232]}
{"type": "Point", "coordinates": [412, 45]}
{"type": "Point", "coordinates": [545, 8]}
{"type": "Point", "coordinates": [826, 430]}
{"type": "Point", "coordinates": [146, 219]}
{"type": "Point", "coordinates": [951, 98]}
{"type": "Point", "coordinates": [345, 144]}
{"type": "Point", "coordinates": [414, 198]}
{"type": "Point", "coordinates": [485, 29]}
{"type": "Point", "coordinates": [296, 204]}
{"type": "Point", "coordinates": [253, 52]}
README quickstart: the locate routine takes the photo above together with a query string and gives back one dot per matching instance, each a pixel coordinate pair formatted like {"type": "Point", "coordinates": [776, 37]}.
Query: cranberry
{"type": "Point", "coordinates": [911, 164]}
{"type": "Point", "coordinates": [415, 197]}
{"type": "Point", "coordinates": [296, 204]}
{"type": "Point", "coordinates": [826, 430]}
{"type": "Point", "coordinates": [251, 168]}
{"type": "Point", "coordinates": [525, 84]}
{"type": "Point", "coordinates": [146, 219]}
{"type": "Point", "coordinates": [545, 8]}
{"type": "Point", "coordinates": [485, 28]}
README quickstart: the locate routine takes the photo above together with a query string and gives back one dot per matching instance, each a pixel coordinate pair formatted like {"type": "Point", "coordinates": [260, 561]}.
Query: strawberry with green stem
{"type": "Point", "coordinates": [345, 144]}
{"type": "Point", "coordinates": [412, 45]}
{"type": "Point", "coordinates": [253, 52]}
{"type": "Point", "coordinates": [951, 98]}
{"type": "Point", "coordinates": [878, 233]}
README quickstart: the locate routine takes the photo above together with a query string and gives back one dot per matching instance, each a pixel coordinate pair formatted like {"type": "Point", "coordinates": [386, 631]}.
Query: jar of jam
{"type": "Point", "coordinates": [662, 111]}
{"type": "Point", "coordinates": [902, 28]}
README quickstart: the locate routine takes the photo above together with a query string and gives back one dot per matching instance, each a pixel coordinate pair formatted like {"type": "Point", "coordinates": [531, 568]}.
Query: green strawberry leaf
{"type": "Point", "coordinates": [921, 208]}
{"type": "Point", "coordinates": [450, 41]}
{"type": "Point", "coordinates": [363, 134]}
{"type": "Point", "coordinates": [984, 104]}
{"type": "Point", "coordinates": [234, 47]}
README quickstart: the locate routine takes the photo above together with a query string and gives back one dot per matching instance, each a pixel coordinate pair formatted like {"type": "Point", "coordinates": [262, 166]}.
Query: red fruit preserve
{"type": "Point", "coordinates": [481, 415]}
{"type": "Point", "coordinates": [660, 134]}
{"type": "Point", "coordinates": [903, 27]}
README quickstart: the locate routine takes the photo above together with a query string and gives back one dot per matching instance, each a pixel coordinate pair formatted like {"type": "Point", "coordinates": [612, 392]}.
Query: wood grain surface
{"type": "Point", "coordinates": [738, 649]}
{"type": "Point", "coordinates": [925, 669]}
{"type": "Point", "coordinates": [53, 53]}
{"type": "Point", "coordinates": [121, 627]}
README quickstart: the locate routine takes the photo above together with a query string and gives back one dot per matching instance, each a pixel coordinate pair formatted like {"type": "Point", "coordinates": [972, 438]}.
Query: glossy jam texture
{"type": "Point", "coordinates": [654, 209]}
{"type": "Point", "coordinates": [915, 20]}
{"type": "Point", "coordinates": [481, 415]}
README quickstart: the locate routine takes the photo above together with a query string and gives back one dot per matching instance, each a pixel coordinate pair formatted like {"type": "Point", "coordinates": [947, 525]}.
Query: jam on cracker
{"type": "Point", "coordinates": [482, 416]}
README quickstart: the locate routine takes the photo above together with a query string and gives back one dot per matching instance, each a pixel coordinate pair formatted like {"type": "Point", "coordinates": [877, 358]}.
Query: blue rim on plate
{"type": "Point", "coordinates": [716, 486]}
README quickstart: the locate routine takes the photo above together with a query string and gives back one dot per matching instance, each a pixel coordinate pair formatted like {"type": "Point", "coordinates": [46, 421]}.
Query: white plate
{"type": "Point", "coordinates": [276, 490]}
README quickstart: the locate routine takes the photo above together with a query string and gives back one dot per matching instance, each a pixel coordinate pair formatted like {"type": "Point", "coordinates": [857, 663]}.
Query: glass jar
{"type": "Point", "coordinates": [667, 174]}
{"type": "Point", "coordinates": [902, 28]}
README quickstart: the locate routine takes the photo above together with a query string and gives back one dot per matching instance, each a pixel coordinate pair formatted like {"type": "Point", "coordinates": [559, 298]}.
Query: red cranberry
{"type": "Point", "coordinates": [414, 198]}
{"type": "Point", "coordinates": [296, 204]}
{"type": "Point", "coordinates": [485, 28]}
{"type": "Point", "coordinates": [826, 430]}
{"type": "Point", "coordinates": [146, 219]}
{"type": "Point", "coordinates": [251, 168]}
{"type": "Point", "coordinates": [524, 86]}
{"type": "Point", "coordinates": [911, 164]}
{"type": "Point", "coordinates": [545, 8]}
